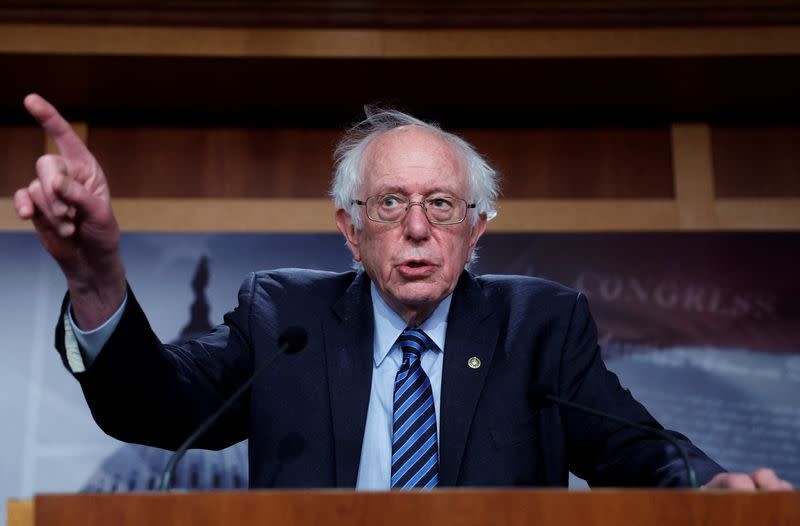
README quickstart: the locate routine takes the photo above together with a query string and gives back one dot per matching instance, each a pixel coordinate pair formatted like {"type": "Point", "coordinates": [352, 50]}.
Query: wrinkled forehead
{"type": "Point", "coordinates": [412, 157]}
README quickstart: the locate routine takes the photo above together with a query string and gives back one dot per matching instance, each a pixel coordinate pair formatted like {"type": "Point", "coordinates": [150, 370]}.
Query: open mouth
{"type": "Point", "coordinates": [416, 269]}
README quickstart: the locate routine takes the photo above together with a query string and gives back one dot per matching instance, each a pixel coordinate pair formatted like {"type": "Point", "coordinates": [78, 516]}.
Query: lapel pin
{"type": "Point", "coordinates": [474, 362]}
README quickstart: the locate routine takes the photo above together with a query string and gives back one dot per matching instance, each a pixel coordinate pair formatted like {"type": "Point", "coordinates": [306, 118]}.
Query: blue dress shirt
{"type": "Point", "coordinates": [375, 470]}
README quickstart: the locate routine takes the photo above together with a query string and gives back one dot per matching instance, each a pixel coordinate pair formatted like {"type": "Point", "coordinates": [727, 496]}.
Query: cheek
{"type": "Point", "coordinates": [375, 250]}
{"type": "Point", "coordinates": [456, 249]}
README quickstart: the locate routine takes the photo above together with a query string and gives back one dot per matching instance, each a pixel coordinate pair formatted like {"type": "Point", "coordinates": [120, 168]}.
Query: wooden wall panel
{"type": "Point", "coordinates": [568, 163]}
{"type": "Point", "coordinates": [215, 162]}
{"type": "Point", "coordinates": [756, 161]}
{"type": "Point", "coordinates": [405, 13]}
{"type": "Point", "coordinates": [20, 146]}
{"type": "Point", "coordinates": [288, 163]}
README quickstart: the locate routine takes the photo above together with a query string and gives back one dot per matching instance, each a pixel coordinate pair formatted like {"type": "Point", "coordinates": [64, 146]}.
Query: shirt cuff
{"type": "Point", "coordinates": [82, 347]}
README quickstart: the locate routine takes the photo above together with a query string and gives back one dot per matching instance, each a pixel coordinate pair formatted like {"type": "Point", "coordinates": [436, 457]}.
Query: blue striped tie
{"type": "Point", "coordinates": [415, 453]}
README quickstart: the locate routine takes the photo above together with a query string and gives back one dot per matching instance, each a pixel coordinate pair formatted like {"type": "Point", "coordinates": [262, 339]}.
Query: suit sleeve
{"type": "Point", "coordinates": [82, 347]}
{"type": "Point", "coordinates": [143, 391]}
{"type": "Point", "coordinates": [602, 452]}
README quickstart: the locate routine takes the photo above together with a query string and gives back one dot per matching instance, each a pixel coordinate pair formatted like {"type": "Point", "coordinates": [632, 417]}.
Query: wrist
{"type": "Point", "coordinates": [95, 296]}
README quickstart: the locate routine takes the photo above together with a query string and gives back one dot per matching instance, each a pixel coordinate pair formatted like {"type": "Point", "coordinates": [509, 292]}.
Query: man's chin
{"type": "Point", "coordinates": [419, 294]}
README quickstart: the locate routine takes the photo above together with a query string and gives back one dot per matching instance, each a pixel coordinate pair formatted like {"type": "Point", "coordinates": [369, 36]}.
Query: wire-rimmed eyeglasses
{"type": "Point", "coordinates": [392, 208]}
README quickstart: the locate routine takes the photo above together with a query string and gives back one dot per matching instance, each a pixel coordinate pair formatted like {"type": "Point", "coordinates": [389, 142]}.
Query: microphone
{"type": "Point", "coordinates": [292, 340]}
{"type": "Point", "coordinates": [541, 396]}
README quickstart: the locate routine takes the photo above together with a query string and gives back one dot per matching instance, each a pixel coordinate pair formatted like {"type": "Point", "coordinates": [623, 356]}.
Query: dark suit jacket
{"type": "Point", "coordinates": [305, 415]}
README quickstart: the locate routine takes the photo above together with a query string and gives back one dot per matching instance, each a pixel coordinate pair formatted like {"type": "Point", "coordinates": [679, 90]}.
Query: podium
{"type": "Point", "coordinates": [468, 507]}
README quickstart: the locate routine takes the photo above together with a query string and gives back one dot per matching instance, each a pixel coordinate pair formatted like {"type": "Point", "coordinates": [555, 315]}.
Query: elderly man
{"type": "Point", "coordinates": [416, 373]}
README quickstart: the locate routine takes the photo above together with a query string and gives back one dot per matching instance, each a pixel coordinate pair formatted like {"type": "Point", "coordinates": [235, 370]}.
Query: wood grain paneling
{"type": "Point", "coordinates": [20, 146]}
{"type": "Point", "coordinates": [215, 162]}
{"type": "Point", "coordinates": [465, 507]}
{"type": "Point", "coordinates": [102, 39]}
{"type": "Point", "coordinates": [405, 13]}
{"type": "Point", "coordinates": [285, 163]}
{"type": "Point", "coordinates": [756, 161]}
{"type": "Point", "coordinates": [490, 92]}
{"type": "Point", "coordinates": [515, 215]}
{"type": "Point", "coordinates": [758, 214]}
{"type": "Point", "coordinates": [569, 163]}
{"type": "Point", "coordinates": [20, 512]}
{"type": "Point", "coordinates": [694, 177]}
{"type": "Point", "coordinates": [317, 215]}
{"type": "Point", "coordinates": [225, 215]}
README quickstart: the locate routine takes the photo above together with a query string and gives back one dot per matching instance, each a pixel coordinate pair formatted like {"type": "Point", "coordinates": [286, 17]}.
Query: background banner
{"type": "Point", "coordinates": [703, 328]}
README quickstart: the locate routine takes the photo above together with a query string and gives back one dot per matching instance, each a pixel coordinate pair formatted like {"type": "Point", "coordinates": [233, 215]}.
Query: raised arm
{"type": "Point", "coordinates": [70, 206]}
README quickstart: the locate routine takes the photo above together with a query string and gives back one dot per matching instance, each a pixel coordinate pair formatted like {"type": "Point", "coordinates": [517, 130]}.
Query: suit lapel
{"type": "Point", "coordinates": [472, 331]}
{"type": "Point", "coordinates": [348, 351]}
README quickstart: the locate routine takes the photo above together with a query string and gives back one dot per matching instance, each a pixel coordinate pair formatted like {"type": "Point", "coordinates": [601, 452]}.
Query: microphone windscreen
{"type": "Point", "coordinates": [294, 338]}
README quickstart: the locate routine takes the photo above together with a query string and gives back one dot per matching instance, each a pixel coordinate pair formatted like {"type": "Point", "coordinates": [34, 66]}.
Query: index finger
{"type": "Point", "coordinates": [64, 137]}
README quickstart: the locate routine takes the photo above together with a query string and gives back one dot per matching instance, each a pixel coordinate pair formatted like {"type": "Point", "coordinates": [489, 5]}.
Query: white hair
{"type": "Point", "coordinates": [482, 179]}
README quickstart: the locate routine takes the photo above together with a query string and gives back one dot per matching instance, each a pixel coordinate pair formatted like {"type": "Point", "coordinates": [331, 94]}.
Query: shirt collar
{"type": "Point", "coordinates": [389, 325]}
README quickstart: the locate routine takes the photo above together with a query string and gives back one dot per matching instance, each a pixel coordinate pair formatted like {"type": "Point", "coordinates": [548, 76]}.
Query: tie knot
{"type": "Point", "coordinates": [414, 341]}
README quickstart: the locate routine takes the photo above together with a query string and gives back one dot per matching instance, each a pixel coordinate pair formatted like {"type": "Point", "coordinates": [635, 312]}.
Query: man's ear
{"type": "Point", "coordinates": [475, 234]}
{"type": "Point", "coordinates": [345, 224]}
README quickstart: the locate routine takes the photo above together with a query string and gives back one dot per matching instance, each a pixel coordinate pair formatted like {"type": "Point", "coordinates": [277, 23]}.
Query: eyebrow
{"type": "Point", "coordinates": [399, 190]}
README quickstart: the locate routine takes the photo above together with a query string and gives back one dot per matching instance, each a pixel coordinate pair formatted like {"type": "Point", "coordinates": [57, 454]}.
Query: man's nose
{"type": "Point", "coordinates": [416, 224]}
